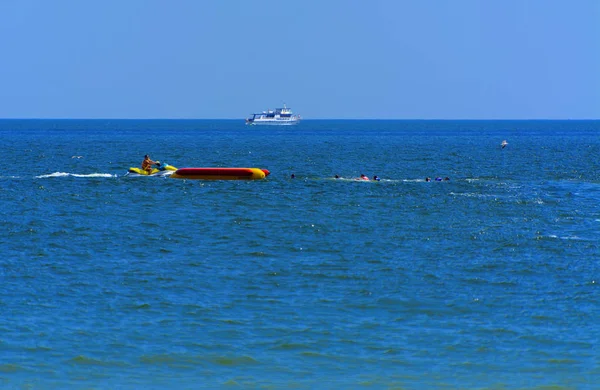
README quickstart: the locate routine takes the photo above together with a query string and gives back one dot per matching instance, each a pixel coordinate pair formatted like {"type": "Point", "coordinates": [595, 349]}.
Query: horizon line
{"type": "Point", "coordinates": [304, 120]}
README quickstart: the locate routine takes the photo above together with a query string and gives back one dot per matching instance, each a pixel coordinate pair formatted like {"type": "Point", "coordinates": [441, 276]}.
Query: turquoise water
{"type": "Point", "coordinates": [488, 280]}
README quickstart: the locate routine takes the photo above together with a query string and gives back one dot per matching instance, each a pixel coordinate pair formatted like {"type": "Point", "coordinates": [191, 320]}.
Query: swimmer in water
{"type": "Point", "coordinates": [363, 177]}
{"type": "Point", "coordinates": [503, 144]}
{"type": "Point", "coordinates": [376, 178]}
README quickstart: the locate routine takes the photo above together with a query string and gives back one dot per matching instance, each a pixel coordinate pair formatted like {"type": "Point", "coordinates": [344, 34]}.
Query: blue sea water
{"type": "Point", "coordinates": [487, 280]}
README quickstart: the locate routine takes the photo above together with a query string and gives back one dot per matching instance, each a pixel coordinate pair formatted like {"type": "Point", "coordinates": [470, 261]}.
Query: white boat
{"type": "Point", "coordinates": [278, 116]}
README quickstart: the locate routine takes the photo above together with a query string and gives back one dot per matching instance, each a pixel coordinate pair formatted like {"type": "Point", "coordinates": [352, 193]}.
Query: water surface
{"type": "Point", "coordinates": [487, 280]}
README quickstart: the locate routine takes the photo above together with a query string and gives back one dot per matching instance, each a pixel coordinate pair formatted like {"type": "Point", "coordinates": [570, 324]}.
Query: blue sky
{"type": "Point", "coordinates": [386, 59]}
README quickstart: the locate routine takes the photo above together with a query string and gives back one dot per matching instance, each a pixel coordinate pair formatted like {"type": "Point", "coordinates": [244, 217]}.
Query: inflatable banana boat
{"type": "Point", "coordinates": [220, 173]}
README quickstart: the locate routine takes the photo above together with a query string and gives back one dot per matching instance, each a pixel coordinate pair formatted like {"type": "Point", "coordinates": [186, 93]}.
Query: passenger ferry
{"type": "Point", "coordinates": [278, 116]}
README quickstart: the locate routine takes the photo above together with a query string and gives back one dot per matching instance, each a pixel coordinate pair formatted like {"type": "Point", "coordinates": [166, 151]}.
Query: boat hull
{"type": "Point", "coordinates": [220, 173]}
{"type": "Point", "coordinates": [273, 122]}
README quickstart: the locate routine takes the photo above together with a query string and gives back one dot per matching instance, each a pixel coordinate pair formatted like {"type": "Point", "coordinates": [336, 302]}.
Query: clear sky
{"type": "Point", "coordinates": [386, 59]}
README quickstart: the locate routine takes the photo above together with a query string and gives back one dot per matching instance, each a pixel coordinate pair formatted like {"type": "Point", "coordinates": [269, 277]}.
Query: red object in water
{"type": "Point", "coordinates": [220, 173]}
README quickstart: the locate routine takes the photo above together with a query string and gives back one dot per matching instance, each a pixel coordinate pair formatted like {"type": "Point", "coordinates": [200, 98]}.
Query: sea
{"type": "Point", "coordinates": [489, 279]}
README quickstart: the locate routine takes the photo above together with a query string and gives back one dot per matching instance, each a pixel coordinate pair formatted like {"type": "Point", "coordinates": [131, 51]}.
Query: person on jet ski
{"type": "Point", "coordinates": [147, 164]}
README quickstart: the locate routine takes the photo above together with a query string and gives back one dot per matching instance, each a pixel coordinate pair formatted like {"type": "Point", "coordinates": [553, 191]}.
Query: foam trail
{"type": "Point", "coordinates": [66, 174]}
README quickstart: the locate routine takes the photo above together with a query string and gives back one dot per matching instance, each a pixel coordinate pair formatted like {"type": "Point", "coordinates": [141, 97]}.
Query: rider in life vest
{"type": "Point", "coordinates": [147, 164]}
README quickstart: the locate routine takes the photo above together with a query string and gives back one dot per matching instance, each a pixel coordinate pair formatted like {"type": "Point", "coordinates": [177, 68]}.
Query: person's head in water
{"type": "Point", "coordinates": [293, 176]}
{"type": "Point", "coordinates": [337, 177]}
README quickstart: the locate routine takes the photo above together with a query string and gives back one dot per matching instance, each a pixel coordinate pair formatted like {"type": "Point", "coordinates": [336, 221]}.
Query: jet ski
{"type": "Point", "coordinates": [158, 169]}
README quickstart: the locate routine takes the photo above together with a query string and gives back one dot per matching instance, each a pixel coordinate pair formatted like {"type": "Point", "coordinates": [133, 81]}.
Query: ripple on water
{"type": "Point", "coordinates": [11, 368]}
{"type": "Point", "coordinates": [88, 361]}
{"type": "Point", "coordinates": [193, 360]}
